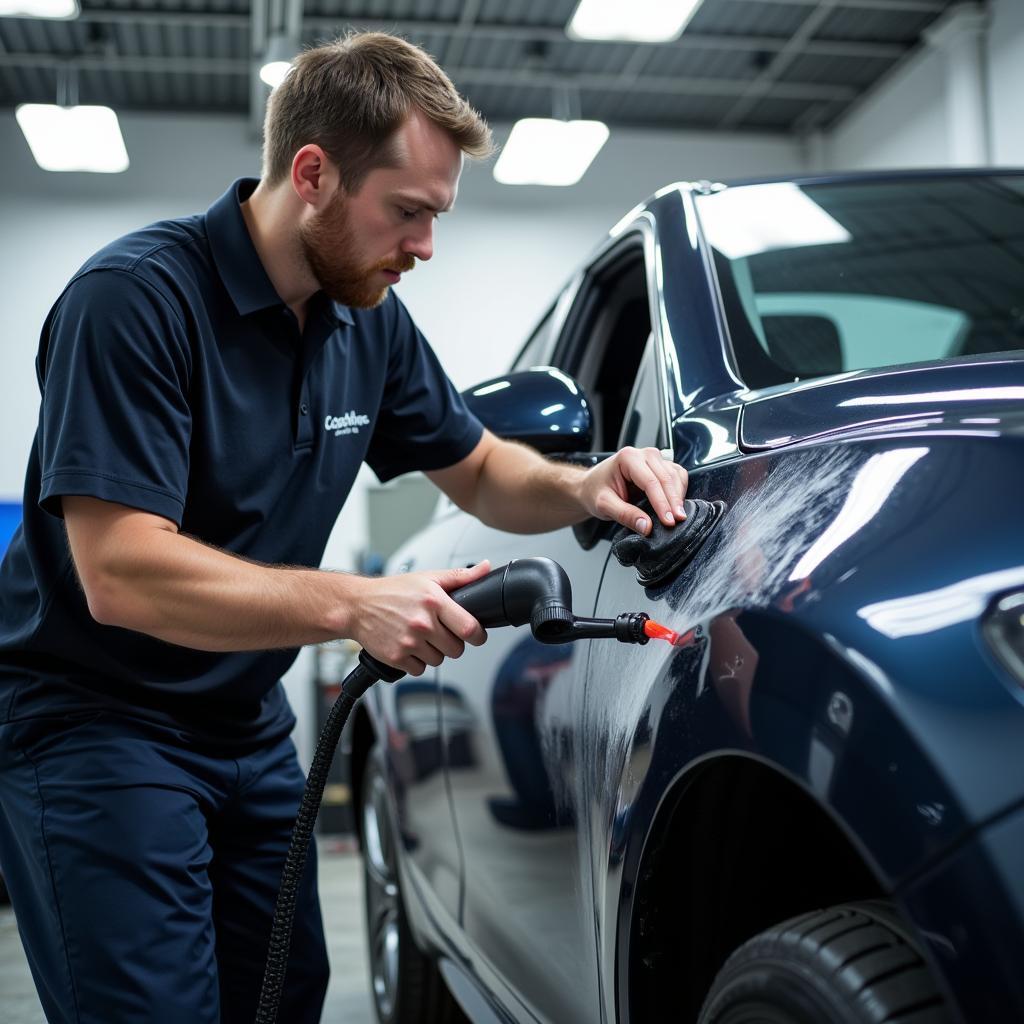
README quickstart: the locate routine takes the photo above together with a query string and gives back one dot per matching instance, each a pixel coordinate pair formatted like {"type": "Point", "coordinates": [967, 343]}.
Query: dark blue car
{"type": "Point", "coordinates": [812, 809]}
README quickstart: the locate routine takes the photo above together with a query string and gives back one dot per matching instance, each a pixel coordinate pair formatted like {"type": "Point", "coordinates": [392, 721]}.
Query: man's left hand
{"type": "Point", "coordinates": [607, 490]}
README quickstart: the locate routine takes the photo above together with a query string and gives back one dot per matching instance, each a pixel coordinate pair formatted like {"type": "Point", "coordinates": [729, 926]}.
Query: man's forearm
{"type": "Point", "coordinates": [188, 593]}
{"type": "Point", "coordinates": [522, 492]}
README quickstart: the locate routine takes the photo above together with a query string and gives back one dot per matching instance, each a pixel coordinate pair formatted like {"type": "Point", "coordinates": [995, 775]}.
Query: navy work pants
{"type": "Point", "coordinates": [143, 872]}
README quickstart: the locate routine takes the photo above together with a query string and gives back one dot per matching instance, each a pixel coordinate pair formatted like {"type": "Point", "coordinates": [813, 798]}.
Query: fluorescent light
{"type": "Point", "coordinates": [273, 72]}
{"type": "Point", "coordinates": [73, 138]}
{"type": "Point", "coordinates": [277, 61]}
{"type": "Point", "coordinates": [639, 21]}
{"type": "Point", "coordinates": [542, 151]}
{"type": "Point", "coordinates": [750, 219]}
{"type": "Point", "coordinates": [39, 9]}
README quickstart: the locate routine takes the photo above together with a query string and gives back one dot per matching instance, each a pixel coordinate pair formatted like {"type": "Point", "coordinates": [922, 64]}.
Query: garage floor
{"type": "Point", "coordinates": [341, 895]}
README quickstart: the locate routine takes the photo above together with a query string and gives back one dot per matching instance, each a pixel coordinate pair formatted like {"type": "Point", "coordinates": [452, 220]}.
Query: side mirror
{"type": "Point", "coordinates": [541, 407]}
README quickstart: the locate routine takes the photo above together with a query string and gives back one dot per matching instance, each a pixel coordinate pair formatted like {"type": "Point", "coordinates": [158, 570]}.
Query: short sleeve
{"type": "Point", "coordinates": [423, 421]}
{"type": "Point", "coordinates": [115, 424]}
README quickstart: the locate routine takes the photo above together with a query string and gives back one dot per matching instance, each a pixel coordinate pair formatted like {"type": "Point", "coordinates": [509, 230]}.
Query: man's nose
{"type": "Point", "coordinates": [420, 243]}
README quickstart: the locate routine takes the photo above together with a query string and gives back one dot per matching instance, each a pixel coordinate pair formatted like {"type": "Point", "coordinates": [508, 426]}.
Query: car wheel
{"type": "Point", "coordinates": [851, 964]}
{"type": "Point", "coordinates": [407, 986]}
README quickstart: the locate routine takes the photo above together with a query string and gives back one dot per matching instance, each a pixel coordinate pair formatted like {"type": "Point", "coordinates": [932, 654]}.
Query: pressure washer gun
{"type": "Point", "coordinates": [534, 591]}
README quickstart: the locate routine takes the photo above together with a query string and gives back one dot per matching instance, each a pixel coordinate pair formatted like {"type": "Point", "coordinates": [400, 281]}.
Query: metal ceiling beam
{"type": "Point", "coordinates": [911, 6]}
{"type": "Point", "coordinates": [768, 80]}
{"type": "Point", "coordinates": [457, 43]}
{"type": "Point", "coordinates": [669, 85]}
{"type": "Point", "coordinates": [259, 15]}
{"type": "Point", "coordinates": [98, 62]}
{"type": "Point", "coordinates": [313, 24]}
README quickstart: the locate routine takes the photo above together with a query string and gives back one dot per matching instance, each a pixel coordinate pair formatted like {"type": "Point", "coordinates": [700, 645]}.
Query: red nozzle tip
{"type": "Point", "coordinates": [656, 631]}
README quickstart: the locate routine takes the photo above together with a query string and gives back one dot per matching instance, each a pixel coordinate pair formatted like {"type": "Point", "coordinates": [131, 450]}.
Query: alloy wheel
{"type": "Point", "coordinates": [382, 898]}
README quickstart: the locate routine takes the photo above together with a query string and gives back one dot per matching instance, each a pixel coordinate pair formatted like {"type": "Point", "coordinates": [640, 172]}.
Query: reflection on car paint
{"type": "Point", "coordinates": [937, 609]}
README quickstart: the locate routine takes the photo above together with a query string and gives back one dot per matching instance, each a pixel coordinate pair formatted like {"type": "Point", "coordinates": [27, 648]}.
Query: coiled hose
{"type": "Point", "coordinates": [356, 683]}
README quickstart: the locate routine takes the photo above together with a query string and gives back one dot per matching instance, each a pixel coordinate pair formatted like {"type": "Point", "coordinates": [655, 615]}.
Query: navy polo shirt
{"type": "Point", "coordinates": [175, 380]}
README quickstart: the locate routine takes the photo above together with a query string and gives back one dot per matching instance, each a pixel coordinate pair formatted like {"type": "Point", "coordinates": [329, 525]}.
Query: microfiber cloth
{"type": "Point", "coordinates": [667, 550]}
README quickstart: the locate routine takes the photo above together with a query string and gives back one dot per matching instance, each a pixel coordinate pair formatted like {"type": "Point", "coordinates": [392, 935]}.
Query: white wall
{"type": "Point", "coordinates": [1005, 52]}
{"type": "Point", "coordinates": [499, 258]}
{"type": "Point", "coordinates": [903, 122]}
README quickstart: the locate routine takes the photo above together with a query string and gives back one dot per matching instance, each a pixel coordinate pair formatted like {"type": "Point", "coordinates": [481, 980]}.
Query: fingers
{"type": "Point", "coordinates": [662, 482]}
{"type": "Point", "coordinates": [452, 579]}
{"type": "Point", "coordinates": [416, 647]}
{"type": "Point", "coordinates": [454, 617]}
{"type": "Point", "coordinates": [411, 622]}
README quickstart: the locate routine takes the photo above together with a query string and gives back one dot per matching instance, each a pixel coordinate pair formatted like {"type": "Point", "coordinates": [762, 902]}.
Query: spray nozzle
{"type": "Point", "coordinates": [537, 591]}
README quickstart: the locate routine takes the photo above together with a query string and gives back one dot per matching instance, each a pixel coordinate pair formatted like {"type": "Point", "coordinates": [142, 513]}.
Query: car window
{"type": "Point", "coordinates": [541, 344]}
{"type": "Point", "coordinates": [821, 279]}
{"type": "Point", "coordinates": [538, 345]}
{"type": "Point", "coordinates": [827, 333]}
{"type": "Point", "coordinates": [605, 338]}
{"type": "Point", "coordinates": [644, 425]}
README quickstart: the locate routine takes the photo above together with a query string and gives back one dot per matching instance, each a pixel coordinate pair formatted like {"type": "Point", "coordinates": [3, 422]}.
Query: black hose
{"type": "Point", "coordinates": [356, 683]}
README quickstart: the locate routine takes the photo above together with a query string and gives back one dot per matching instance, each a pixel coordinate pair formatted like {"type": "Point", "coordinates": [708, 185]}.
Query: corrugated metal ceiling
{"type": "Point", "coordinates": [773, 65]}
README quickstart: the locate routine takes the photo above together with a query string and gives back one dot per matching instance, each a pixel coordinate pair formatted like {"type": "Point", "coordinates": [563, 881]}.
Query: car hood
{"type": "Point", "coordinates": [984, 397]}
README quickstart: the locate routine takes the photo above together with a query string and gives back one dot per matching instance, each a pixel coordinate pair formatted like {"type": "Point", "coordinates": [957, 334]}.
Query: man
{"type": "Point", "coordinates": [210, 386]}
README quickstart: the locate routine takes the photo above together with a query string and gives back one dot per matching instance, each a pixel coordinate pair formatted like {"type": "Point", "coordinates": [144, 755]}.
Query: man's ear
{"type": "Point", "coordinates": [314, 176]}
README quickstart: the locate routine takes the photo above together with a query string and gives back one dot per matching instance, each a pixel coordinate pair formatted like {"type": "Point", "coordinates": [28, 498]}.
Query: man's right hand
{"type": "Point", "coordinates": [410, 622]}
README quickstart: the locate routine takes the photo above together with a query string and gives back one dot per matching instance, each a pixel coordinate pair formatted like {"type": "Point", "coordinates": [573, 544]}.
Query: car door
{"type": "Point", "coordinates": [516, 762]}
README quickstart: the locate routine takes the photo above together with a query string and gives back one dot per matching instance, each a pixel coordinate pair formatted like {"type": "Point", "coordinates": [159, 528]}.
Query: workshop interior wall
{"type": "Point", "coordinates": [1005, 53]}
{"type": "Point", "coordinates": [903, 121]}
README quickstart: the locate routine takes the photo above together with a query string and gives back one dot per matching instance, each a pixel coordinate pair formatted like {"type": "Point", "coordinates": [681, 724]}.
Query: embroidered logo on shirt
{"type": "Point", "coordinates": [347, 423]}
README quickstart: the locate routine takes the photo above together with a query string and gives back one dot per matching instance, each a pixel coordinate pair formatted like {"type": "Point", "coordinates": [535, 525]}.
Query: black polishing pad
{"type": "Point", "coordinates": [667, 550]}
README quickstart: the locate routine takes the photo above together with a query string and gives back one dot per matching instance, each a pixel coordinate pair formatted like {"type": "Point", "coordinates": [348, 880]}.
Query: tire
{"type": "Point", "coordinates": [851, 964]}
{"type": "Point", "coordinates": [407, 986]}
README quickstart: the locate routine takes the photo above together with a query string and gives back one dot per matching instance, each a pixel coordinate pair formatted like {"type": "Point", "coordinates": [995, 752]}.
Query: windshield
{"type": "Point", "coordinates": [820, 279]}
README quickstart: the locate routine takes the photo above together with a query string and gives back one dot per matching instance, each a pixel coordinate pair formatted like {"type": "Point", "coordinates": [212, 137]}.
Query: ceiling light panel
{"type": "Point", "coordinates": [82, 138]}
{"type": "Point", "coordinates": [639, 21]}
{"type": "Point", "coordinates": [543, 151]}
{"type": "Point", "coordinates": [62, 9]}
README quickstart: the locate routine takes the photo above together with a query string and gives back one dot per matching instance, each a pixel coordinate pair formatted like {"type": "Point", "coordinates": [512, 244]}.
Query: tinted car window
{"type": "Point", "coordinates": [644, 424]}
{"type": "Point", "coordinates": [539, 344]}
{"type": "Point", "coordinates": [820, 279]}
{"type": "Point", "coordinates": [605, 337]}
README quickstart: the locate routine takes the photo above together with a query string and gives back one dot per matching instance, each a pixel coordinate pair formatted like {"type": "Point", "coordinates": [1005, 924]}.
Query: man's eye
{"type": "Point", "coordinates": [407, 214]}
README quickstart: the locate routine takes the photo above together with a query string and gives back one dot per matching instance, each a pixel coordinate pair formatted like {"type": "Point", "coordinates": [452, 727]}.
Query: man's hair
{"type": "Point", "coordinates": [351, 95]}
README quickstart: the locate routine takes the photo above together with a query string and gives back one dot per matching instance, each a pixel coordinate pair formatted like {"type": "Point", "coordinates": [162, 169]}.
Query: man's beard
{"type": "Point", "coordinates": [329, 247]}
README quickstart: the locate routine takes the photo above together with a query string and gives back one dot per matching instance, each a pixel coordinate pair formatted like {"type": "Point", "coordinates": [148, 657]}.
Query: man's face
{"type": "Point", "coordinates": [361, 243]}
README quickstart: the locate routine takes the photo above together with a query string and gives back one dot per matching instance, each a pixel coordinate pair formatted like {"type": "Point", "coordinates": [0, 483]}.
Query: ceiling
{"type": "Point", "coordinates": [786, 66]}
